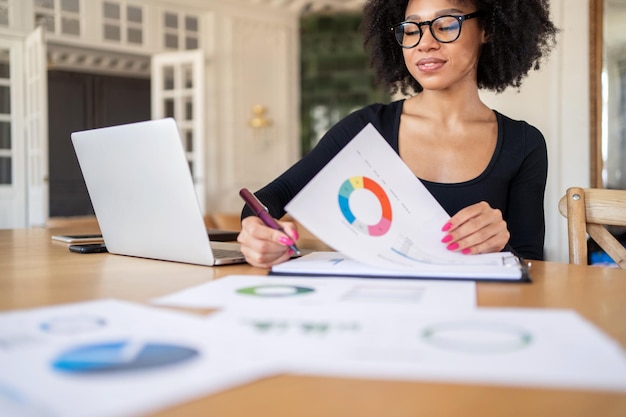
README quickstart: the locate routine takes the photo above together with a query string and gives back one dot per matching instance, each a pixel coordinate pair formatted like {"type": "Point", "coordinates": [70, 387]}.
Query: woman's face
{"type": "Point", "coordinates": [441, 66]}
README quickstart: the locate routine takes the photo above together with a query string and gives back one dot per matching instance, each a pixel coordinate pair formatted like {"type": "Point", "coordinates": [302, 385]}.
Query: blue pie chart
{"type": "Point", "coordinates": [121, 356]}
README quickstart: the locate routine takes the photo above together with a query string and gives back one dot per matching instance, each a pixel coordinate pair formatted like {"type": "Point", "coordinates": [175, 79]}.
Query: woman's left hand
{"type": "Point", "coordinates": [476, 229]}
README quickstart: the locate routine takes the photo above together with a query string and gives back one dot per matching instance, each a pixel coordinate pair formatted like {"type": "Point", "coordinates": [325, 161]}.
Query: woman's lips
{"type": "Point", "coordinates": [430, 64]}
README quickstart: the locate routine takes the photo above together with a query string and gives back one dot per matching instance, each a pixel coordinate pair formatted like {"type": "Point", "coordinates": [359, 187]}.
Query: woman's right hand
{"type": "Point", "coordinates": [263, 246]}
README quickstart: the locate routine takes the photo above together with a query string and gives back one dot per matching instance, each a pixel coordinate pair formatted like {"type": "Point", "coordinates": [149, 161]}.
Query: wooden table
{"type": "Point", "coordinates": [35, 272]}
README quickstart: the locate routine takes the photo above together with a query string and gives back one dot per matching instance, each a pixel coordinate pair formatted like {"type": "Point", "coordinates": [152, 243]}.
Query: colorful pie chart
{"type": "Point", "coordinates": [121, 356]}
{"type": "Point", "coordinates": [353, 184]}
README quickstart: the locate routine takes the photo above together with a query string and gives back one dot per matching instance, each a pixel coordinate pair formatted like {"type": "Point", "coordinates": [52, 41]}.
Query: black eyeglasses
{"type": "Point", "coordinates": [445, 29]}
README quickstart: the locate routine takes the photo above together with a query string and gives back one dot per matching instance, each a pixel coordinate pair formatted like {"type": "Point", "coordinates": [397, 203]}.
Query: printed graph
{"type": "Point", "coordinates": [478, 337]}
{"type": "Point", "coordinates": [406, 248]}
{"type": "Point", "coordinates": [358, 184]}
{"type": "Point", "coordinates": [275, 290]}
{"type": "Point", "coordinates": [121, 356]}
{"type": "Point", "coordinates": [305, 327]}
{"type": "Point", "coordinates": [72, 324]}
{"type": "Point", "coordinates": [384, 295]}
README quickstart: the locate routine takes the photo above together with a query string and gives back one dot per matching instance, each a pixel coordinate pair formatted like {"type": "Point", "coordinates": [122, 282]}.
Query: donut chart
{"type": "Point", "coordinates": [275, 290]}
{"type": "Point", "coordinates": [357, 183]}
{"type": "Point", "coordinates": [477, 337]}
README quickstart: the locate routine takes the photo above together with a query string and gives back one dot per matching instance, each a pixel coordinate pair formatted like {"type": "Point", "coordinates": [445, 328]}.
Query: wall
{"type": "Point", "coordinates": [255, 62]}
{"type": "Point", "coordinates": [556, 100]}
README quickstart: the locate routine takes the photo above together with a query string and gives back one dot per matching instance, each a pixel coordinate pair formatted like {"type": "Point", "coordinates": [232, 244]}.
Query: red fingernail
{"type": "Point", "coordinates": [296, 236]}
{"type": "Point", "coordinates": [446, 239]}
{"type": "Point", "coordinates": [446, 227]}
{"type": "Point", "coordinates": [466, 251]}
{"type": "Point", "coordinates": [285, 240]}
{"type": "Point", "coordinates": [453, 246]}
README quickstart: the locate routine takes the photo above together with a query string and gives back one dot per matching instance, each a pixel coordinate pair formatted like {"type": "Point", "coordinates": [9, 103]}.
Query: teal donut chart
{"type": "Point", "coordinates": [275, 290]}
{"type": "Point", "coordinates": [356, 183]}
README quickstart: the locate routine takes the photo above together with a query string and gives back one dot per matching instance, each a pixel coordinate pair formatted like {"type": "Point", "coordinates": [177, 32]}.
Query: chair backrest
{"type": "Point", "coordinates": [588, 211]}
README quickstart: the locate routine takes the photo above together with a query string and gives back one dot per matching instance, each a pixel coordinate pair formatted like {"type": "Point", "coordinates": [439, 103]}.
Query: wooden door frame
{"type": "Point", "coordinates": [596, 63]}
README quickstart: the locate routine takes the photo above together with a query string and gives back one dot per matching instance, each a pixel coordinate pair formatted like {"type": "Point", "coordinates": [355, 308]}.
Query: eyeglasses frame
{"type": "Point", "coordinates": [460, 18]}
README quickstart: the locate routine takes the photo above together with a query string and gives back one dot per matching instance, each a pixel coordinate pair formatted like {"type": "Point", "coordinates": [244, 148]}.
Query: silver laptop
{"type": "Point", "coordinates": [143, 195]}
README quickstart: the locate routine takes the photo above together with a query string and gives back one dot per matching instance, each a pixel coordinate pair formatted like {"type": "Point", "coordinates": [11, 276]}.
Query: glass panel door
{"type": "Point", "coordinates": [36, 123]}
{"type": "Point", "coordinates": [178, 92]}
{"type": "Point", "coordinates": [12, 162]}
{"type": "Point", "coordinates": [6, 139]}
{"type": "Point", "coordinates": [180, 31]}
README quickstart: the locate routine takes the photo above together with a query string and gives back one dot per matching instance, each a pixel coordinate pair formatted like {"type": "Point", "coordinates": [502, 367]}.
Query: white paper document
{"type": "Point", "coordinates": [352, 294]}
{"type": "Point", "coordinates": [337, 264]}
{"type": "Point", "coordinates": [506, 347]}
{"type": "Point", "coordinates": [111, 358]}
{"type": "Point", "coordinates": [367, 204]}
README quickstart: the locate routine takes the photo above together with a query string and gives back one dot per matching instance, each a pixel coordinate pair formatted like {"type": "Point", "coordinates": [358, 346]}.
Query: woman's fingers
{"type": "Point", "coordinates": [476, 229]}
{"type": "Point", "coordinates": [263, 246]}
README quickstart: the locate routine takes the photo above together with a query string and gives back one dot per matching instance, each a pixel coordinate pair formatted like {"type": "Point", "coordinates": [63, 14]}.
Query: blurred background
{"type": "Point", "coordinates": [253, 84]}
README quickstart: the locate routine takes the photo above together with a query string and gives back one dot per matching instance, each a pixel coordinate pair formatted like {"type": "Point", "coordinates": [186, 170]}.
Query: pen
{"type": "Point", "coordinates": [261, 212]}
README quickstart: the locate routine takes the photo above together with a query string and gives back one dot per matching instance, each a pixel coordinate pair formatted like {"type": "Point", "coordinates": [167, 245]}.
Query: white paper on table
{"type": "Point", "coordinates": [509, 347]}
{"type": "Point", "coordinates": [268, 292]}
{"type": "Point", "coordinates": [45, 355]}
{"type": "Point", "coordinates": [337, 264]}
{"type": "Point", "coordinates": [367, 204]}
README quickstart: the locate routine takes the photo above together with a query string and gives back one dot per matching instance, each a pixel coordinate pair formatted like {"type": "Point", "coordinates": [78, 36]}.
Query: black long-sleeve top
{"type": "Point", "coordinates": [514, 181]}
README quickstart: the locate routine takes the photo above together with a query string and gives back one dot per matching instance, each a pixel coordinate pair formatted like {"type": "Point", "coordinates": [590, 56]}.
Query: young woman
{"type": "Point", "coordinates": [486, 170]}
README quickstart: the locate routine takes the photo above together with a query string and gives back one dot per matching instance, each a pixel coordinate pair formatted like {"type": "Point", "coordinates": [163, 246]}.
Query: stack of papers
{"type": "Point", "coordinates": [113, 358]}
{"type": "Point", "coordinates": [409, 330]}
{"type": "Point", "coordinates": [371, 208]}
{"type": "Point", "coordinates": [509, 268]}
{"type": "Point", "coordinates": [265, 293]}
{"type": "Point", "coordinates": [511, 347]}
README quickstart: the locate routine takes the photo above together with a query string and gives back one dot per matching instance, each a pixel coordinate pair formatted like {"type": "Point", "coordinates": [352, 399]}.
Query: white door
{"type": "Point", "coordinates": [13, 202]}
{"type": "Point", "coordinates": [178, 92]}
{"type": "Point", "coordinates": [36, 123]}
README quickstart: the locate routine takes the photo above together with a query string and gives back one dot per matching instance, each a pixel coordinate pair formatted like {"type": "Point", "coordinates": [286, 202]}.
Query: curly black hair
{"type": "Point", "coordinates": [520, 33]}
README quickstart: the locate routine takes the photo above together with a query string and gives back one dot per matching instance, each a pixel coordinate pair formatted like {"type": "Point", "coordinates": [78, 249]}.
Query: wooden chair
{"type": "Point", "coordinates": [588, 211]}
